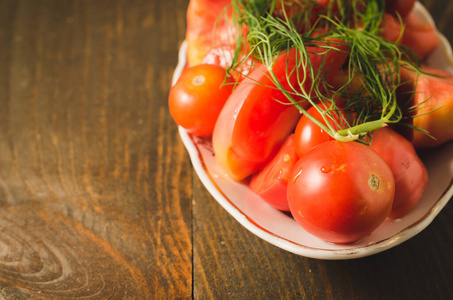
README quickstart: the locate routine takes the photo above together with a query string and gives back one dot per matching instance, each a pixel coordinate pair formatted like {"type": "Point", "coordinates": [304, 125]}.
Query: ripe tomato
{"type": "Point", "coordinates": [197, 98]}
{"type": "Point", "coordinates": [308, 134]}
{"type": "Point", "coordinates": [419, 36]}
{"type": "Point", "coordinates": [202, 19]}
{"type": "Point", "coordinates": [411, 176]}
{"type": "Point", "coordinates": [432, 93]}
{"type": "Point", "coordinates": [270, 183]}
{"type": "Point", "coordinates": [254, 123]}
{"type": "Point", "coordinates": [340, 192]}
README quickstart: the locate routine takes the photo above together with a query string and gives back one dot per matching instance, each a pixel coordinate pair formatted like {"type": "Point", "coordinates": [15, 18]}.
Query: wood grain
{"type": "Point", "coordinates": [98, 199]}
{"type": "Point", "coordinates": [94, 183]}
{"type": "Point", "coordinates": [232, 263]}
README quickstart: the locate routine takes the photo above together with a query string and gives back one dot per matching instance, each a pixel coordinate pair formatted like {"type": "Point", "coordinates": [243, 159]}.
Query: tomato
{"type": "Point", "coordinates": [408, 170]}
{"type": "Point", "coordinates": [391, 28]}
{"type": "Point", "coordinates": [197, 98]}
{"type": "Point", "coordinates": [340, 192]}
{"type": "Point", "coordinates": [270, 183]}
{"type": "Point", "coordinates": [202, 17]}
{"type": "Point", "coordinates": [434, 97]}
{"type": "Point", "coordinates": [308, 134]}
{"type": "Point", "coordinates": [254, 123]}
{"type": "Point", "coordinates": [419, 35]}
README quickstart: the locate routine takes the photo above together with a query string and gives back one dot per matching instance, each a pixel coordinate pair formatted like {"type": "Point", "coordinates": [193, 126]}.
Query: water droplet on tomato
{"type": "Point", "coordinates": [296, 176]}
{"type": "Point", "coordinates": [325, 169]}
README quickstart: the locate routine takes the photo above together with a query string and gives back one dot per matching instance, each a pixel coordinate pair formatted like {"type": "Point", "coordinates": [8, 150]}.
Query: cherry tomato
{"type": "Point", "coordinates": [270, 183]}
{"type": "Point", "coordinates": [432, 93]}
{"type": "Point", "coordinates": [411, 176]}
{"type": "Point", "coordinates": [340, 192]}
{"type": "Point", "coordinates": [391, 28]}
{"type": "Point", "coordinates": [308, 134]}
{"type": "Point", "coordinates": [254, 123]}
{"type": "Point", "coordinates": [197, 98]}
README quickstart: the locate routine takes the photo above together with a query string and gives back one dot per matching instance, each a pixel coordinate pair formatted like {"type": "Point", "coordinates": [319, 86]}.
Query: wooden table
{"type": "Point", "coordinates": [98, 198]}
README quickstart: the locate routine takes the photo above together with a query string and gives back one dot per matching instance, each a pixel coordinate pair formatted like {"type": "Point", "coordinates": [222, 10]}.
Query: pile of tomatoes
{"type": "Point", "coordinates": [338, 191]}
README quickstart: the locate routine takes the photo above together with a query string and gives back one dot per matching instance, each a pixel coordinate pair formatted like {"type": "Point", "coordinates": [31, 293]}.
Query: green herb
{"type": "Point", "coordinates": [373, 67]}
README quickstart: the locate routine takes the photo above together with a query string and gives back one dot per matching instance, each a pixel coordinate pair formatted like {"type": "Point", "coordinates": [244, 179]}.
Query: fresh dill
{"type": "Point", "coordinates": [369, 80]}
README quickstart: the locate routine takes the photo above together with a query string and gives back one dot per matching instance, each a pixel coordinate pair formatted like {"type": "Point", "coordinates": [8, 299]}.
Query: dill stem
{"type": "Point", "coordinates": [353, 133]}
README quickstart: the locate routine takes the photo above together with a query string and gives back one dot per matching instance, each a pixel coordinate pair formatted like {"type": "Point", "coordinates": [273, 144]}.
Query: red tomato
{"type": "Point", "coordinates": [195, 101]}
{"type": "Point", "coordinates": [270, 183]}
{"type": "Point", "coordinates": [202, 17]}
{"type": "Point", "coordinates": [391, 28]}
{"type": "Point", "coordinates": [254, 123]}
{"type": "Point", "coordinates": [408, 170]}
{"type": "Point", "coordinates": [419, 36]}
{"type": "Point", "coordinates": [340, 192]}
{"type": "Point", "coordinates": [433, 94]}
{"type": "Point", "coordinates": [308, 134]}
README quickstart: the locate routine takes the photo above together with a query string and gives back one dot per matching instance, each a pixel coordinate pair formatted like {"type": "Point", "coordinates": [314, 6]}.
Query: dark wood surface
{"type": "Point", "coordinates": [98, 198]}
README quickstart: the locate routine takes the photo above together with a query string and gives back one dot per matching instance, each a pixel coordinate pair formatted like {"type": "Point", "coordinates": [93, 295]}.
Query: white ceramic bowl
{"type": "Point", "coordinates": [282, 231]}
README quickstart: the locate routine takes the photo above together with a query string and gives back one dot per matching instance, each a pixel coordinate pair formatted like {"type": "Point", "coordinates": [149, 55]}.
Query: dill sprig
{"type": "Point", "coordinates": [372, 69]}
